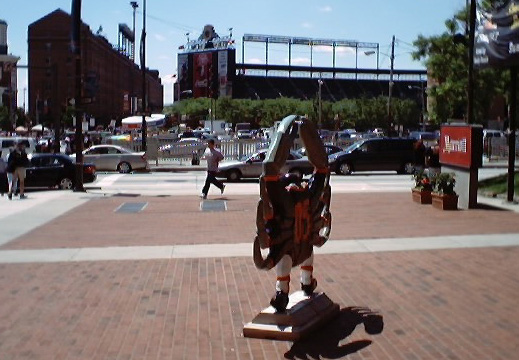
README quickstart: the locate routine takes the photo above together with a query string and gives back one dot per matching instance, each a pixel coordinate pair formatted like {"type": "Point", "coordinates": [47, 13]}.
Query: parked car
{"type": "Point", "coordinates": [115, 158]}
{"type": "Point", "coordinates": [330, 149]}
{"type": "Point", "coordinates": [251, 167]}
{"type": "Point", "coordinates": [379, 154]}
{"type": "Point", "coordinates": [50, 170]}
{"type": "Point", "coordinates": [8, 143]}
{"type": "Point", "coordinates": [244, 134]}
{"type": "Point", "coordinates": [428, 138]}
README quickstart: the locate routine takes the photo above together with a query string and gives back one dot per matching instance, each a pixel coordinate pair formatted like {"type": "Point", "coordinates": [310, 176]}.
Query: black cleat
{"type": "Point", "coordinates": [309, 289]}
{"type": "Point", "coordinates": [279, 301]}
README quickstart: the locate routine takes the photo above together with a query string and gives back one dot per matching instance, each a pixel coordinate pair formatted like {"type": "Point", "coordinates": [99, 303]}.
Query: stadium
{"type": "Point", "coordinates": [207, 67]}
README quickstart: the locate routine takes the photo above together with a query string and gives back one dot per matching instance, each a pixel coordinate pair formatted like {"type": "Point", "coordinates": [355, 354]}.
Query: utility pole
{"type": "Point", "coordinates": [76, 49]}
{"type": "Point", "coordinates": [143, 68]}
{"type": "Point", "coordinates": [389, 98]}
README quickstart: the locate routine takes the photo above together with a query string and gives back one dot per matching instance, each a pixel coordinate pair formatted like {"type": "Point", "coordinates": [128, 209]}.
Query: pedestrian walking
{"type": "Point", "coordinates": [419, 155]}
{"type": "Point", "coordinates": [213, 157]}
{"type": "Point", "coordinates": [433, 160]}
{"type": "Point", "coordinates": [4, 186]}
{"type": "Point", "coordinates": [16, 167]}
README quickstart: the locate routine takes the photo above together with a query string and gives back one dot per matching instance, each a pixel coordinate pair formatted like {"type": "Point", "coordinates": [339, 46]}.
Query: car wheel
{"type": "Point", "coordinates": [233, 175]}
{"type": "Point", "coordinates": [407, 168]}
{"type": "Point", "coordinates": [297, 171]}
{"type": "Point", "coordinates": [344, 169]}
{"type": "Point", "coordinates": [65, 184]}
{"type": "Point", "coordinates": [124, 168]}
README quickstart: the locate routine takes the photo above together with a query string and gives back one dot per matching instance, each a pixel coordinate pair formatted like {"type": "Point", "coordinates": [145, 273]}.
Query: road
{"type": "Point", "coordinates": [191, 183]}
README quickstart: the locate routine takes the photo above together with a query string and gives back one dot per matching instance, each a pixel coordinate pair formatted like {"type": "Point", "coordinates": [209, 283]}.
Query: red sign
{"type": "Point", "coordinates": [459, 146]}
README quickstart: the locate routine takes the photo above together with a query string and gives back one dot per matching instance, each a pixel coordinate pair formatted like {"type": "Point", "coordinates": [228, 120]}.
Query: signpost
{"type": "Point", "coordinates": [461, 152]}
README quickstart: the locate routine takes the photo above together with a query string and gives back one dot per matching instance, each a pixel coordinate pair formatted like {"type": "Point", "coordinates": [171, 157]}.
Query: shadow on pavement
{"type": "Point", "coordinates": [326, 342]}
{"type": "Point", "coordinates": [481, 206]}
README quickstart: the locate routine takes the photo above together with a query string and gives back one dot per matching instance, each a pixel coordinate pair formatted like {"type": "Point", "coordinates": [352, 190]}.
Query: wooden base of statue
{"type": "Point", "coordinates": [303, 315]}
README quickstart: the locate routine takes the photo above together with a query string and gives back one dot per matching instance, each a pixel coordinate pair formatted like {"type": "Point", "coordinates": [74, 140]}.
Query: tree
{"type": "Point", "coordinates": [5, 124]}
{"type": "Point", "coordinates": [446, 58]}
{"type": "Point", "coordinates": [363, 114]}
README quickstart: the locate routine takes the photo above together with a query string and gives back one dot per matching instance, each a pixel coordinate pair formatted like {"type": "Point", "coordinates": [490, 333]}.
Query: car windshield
{"type": "Point", "coordinates": [353, 146]}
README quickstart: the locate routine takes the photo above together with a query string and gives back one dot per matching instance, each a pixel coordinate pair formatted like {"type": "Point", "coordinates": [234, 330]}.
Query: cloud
{"type": "Point", "coordinates": [160, 37]}
{"type": "Point", "coordinates": [299, 61]}
{"type": "Point", "coordinates": [339, 50]}
{"type": "Point", "coordinates": [254, 61]}
{"type": "Point", "coordinates": [307, 25]}
{"type": "Point", "coordinates": [326, 8]}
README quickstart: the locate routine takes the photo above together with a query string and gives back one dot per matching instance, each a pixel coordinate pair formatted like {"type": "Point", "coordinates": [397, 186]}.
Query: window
{"type": "Point", "coordinates": [56, 161]}
{"type": "Point", "coordinates": [111, 151]}
{"type": "Point", "coordinates": [259, 157]}
{"type": "Point", "coordinates": [93, 152]}
{"type": "Point", "coordinates": [36, 161]}
{"type": "Point", "coordinates": [7, 144]}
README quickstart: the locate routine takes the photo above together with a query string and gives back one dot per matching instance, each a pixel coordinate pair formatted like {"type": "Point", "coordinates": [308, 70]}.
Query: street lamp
{"type": "Point", "coordinates": [390, 94]}
{"type": "Point", "coordinates": [143, 67]}
{"type": "Point", "coordinates": [422, 92]}
{"type": "Point", "coordinates": [134, 6]}
{"type": "Point", "coordinates": [320, 82]}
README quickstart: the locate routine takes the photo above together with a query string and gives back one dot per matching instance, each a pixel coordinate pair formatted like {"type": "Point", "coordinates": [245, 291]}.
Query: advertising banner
{"type": "Point", "coordinates": [202, 73]}
{"type": "Point", "coordinates": [222, 71]}
{"type": "Point", "coordinates": [183, 73]}
{"type": "Point", "coordinates": [497, 35]}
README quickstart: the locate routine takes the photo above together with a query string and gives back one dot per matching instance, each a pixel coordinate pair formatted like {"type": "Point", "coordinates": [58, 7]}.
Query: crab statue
{"type": "Point", "coordinates": [293, 214]}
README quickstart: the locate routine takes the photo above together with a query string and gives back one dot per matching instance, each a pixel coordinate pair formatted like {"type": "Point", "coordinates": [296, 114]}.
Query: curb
{"type": "Point", "coordinates": [177, 168]}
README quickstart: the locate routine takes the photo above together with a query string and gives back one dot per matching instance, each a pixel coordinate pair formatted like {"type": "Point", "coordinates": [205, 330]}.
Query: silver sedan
{"type": "Point", "coordinates": [115, 158]}
{"type": "Point", "coordinates": [252, 166]}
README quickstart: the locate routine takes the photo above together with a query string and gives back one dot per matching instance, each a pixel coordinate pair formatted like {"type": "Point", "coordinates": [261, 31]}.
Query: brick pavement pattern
{"type": "Point", "coordinates": [179, 221]}
{"type": "Point", "coordinates": [444, 304]}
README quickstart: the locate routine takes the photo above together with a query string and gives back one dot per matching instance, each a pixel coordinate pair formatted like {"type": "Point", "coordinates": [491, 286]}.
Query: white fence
{"type": "Point", "coordinates": [168, 149]}
{"type": "Point", "coordinates": [497, 148]}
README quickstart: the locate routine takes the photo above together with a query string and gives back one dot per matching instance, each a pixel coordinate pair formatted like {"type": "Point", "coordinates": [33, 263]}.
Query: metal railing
{"type": "Point", "coordinates": [496, 148]}
{"type": "Point", "coordinates": [168, 149]}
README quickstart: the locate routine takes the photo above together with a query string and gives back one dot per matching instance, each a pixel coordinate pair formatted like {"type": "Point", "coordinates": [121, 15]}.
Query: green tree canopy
{"type": "Point", "coordinates": [446, 58]}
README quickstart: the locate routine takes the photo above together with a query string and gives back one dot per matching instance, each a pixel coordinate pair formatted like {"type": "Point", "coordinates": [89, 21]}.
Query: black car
{"type": "Point", "coordinates": [380, 154]}
{"type": "Point", "coordinates": [330, 149]}
{"type": "Point", "coordinates": [49, 170]}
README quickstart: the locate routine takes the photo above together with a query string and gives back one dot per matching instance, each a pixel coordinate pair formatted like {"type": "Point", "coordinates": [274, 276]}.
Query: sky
{"type": "Point", "coordinates": [168, 21]}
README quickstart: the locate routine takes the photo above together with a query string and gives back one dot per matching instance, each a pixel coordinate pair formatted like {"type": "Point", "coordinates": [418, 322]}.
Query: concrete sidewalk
{"type": "Point", "coordinates": [86, 281]}
{"type": "Point", "coordinates": [176, 166]}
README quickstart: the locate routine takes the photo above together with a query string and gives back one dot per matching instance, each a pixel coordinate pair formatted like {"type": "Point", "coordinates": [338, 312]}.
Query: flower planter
{"type": "Point", "coordinates": [422, 196]}
{"type": "Point", "coordinates": [444, 201]}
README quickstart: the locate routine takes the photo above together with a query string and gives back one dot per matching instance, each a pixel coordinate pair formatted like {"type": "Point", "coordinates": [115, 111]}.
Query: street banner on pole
{"type": "Point", "coordinates": [497, 35]}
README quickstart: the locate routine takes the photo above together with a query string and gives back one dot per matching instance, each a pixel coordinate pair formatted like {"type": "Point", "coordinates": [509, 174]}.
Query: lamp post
{"type": "Point", "coordinates": [320, 82]}
{"type": "Point", "coordinates": [76, 41]}
{"type": "Point", "coordinates": [390, 90]}
{"type": "Point", "coordinates": [390, 96]}
{"type": "Point", "coordinates": [134, 5]}
{"type": "Point", "coordinates": [143, 68]}
{"type": "Point", "coordinates": [422, 98]}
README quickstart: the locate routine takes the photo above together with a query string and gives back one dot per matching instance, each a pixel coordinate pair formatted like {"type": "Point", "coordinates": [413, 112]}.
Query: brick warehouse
{"type": "Point", "coordinates": [108, 74]}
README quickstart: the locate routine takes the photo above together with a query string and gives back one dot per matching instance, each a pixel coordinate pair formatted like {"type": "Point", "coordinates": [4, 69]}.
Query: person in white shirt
{"type": "Point", "coordinates": [213, 157]}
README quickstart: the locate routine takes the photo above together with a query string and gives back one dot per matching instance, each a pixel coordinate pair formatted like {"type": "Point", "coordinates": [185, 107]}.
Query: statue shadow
{"type": "Point", "coordinates": [326, 341]}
